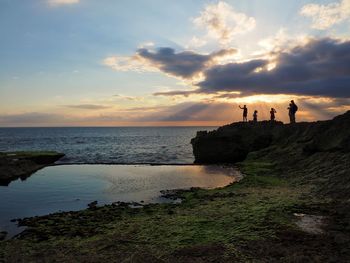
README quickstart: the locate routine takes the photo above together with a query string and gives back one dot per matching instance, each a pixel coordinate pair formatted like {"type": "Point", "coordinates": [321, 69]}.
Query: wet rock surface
{"type": "Point", "coordinates": [21, 165]}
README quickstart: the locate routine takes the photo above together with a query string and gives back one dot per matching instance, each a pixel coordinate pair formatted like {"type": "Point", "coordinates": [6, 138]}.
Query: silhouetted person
{"type": "Point", "coordinates": [290, 113]}
{"type": "Point", "coordinates": [272, 114]}
{"type": "Point", "coordinates": [255, 116]}
{"type": "Point", "coordinates": [245, 112]}
{"type": "Point", "coordinates": [293, 108]}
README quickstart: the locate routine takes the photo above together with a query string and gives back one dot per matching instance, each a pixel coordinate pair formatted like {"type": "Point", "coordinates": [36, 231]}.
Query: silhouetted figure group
{"type": "Point", "coordinates": [292, 109]}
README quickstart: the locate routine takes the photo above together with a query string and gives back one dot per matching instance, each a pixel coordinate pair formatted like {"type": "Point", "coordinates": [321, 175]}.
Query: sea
{"type": "Point", "coordinates": [106, 145]}
{"type": "Point", "coordinates": [106, 165]}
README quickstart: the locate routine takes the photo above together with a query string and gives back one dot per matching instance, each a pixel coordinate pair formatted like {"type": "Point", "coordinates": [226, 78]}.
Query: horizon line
{"type": "Point", "coordinates": [166, 126]}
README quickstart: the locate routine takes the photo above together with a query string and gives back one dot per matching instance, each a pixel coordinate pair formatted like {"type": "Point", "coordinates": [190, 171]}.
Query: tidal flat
{"type": "Point", "coordinates": [73, 187]}
{"type": "Point", "coordinates": [253, 220]}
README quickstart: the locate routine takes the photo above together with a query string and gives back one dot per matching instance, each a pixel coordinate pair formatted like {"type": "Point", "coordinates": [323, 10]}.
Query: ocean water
{"type": "Point", "coordinates": [128, 145]}
{"type": "Point", "coordinates": [72, 187]}
{"type": "Point", "coordinates": [85, 174]}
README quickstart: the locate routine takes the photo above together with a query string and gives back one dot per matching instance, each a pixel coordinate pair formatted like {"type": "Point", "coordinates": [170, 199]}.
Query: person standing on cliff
{"type": "Point", "coordinates": [255, 116]}
{"type": "Point", "coordinates": [290, 113]}
{"type": "Point", "coordinates": [272, 114]}
{"type": "Point", "coordinates": [245, 112]}
{"type": "Point", "coordinates": [293, 108]}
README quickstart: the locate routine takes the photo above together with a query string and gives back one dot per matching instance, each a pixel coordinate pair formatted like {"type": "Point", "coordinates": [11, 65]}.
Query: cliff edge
{"type": "Point", "coordinates": [232, 143]}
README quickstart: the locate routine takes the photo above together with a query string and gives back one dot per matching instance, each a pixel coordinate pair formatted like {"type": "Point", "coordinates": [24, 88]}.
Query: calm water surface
{"type": "Point", "coordinates": [72, 187]}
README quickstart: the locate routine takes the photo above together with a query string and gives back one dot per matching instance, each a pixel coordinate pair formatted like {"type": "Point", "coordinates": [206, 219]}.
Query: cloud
{"type": "Point", "coordinates": [124, 97]}
{"type": "Point", "coordinates": [324, 108]}
{"type": "Point", "coordinates": [222, 22]}
{"type": "Point", "coordinates": [184, 64]}
{"type": "Point", "coordinates": [218, 113]}
{"type": "Point", "coordinates": [144, 109]}
{"type": "Point", "coordinates": [326, 16]}
{"type": "Point", "coordinates": [184, 93]}
{"type": "Point", "coordinates": [319, 68]}
{"type": "Point", "coordinates": [55, 3]}
{"type": "Point", "coordinates": [129, 63]}
{"type": "Point", "coordinates": [315, 67]}
{"type": "Point", "coordinates": [282, 40]}
{"type": "Point", "coordinates": [88, 106]}
{"type": "Point", "coordinates": [199, 112]}
{"type": "Point", "coordinates": [190, 112]}
{"type": "Point", "coordinates": [30, 118]}
{"type": "Point", "coordinates": [196, 42]}
{"type": "Point", "coordinates": [39, 119]}
{"type": "Point", "coordinates": [182, 112]}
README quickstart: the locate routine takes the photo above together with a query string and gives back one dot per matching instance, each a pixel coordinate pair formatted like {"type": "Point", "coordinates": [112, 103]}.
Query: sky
{"type": "Point", "coordinates": [171, 63]}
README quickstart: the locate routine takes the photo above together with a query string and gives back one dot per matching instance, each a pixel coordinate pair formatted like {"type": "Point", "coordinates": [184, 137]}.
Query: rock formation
{"type": "Point", "coordinates": [14, 165]}
{"type": "Point", "coordinates": [232, 143]}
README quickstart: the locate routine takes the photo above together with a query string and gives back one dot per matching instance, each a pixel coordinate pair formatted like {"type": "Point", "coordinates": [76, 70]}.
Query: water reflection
{"type": "Point", "coordinates": [72, 187]}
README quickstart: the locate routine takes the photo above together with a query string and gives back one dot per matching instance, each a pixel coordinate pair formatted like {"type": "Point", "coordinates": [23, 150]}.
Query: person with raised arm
{"type": "Point", "coordinates": [245, 112]}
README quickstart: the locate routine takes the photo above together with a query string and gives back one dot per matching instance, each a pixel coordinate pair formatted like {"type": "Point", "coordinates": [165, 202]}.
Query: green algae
{"type": "Point", "coordinates": [253, 209]}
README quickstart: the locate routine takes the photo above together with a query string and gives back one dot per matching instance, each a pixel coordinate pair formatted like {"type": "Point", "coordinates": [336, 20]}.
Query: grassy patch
{"type": "Point", "coordinates": [250, 210]}
{"type": "Point", "coordinates": [230, 220]}
{"type": "Point", "coordinates": [256, 168]}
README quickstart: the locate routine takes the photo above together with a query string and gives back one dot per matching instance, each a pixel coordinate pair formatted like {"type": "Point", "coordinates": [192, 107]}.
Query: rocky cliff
{"type": "Point", "coordinates": [232, 143]}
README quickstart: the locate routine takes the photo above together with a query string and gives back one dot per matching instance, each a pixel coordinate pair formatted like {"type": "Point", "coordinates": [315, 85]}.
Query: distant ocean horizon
{"type": "Point", "coordinates": [129, 145]}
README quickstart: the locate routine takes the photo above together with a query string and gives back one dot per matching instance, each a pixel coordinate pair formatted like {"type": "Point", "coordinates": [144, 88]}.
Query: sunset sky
{"type": "Point", "coordinates": [167, 62]}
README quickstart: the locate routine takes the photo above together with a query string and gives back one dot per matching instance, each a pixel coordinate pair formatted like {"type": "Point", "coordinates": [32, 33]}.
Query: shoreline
{"type": "Point", "coordinates": [244, 198]}
{"type": "Point", "coordinates": [144, 163]}
{"type": "Point", "coordinates": [163, 196]}
{"type": "Point", "coordinates": [260, 191]}
{"type": "Point", "coordinates": [293, 205]}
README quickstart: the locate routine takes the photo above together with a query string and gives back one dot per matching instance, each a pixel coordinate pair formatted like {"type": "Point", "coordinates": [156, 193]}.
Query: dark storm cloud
{"type": "Point", "coordinates": [183, 64]}
{"type": "Point", "coordinates": [320, 68]}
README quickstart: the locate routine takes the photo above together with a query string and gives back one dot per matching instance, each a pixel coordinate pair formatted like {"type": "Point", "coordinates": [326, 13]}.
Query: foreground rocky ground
{"type": "Point", "coordinates": [292, 206]}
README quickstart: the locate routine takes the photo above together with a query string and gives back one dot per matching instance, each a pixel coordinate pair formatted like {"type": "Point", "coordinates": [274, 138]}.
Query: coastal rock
{"type": "Point", "coordinates": [3, 235]}
{"type": "Point", "coordinates": [16, 165]}
{"type": "Point", "coordinates": [232, 143]}
{"type": "Point", "coordinates": [92, 205]}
